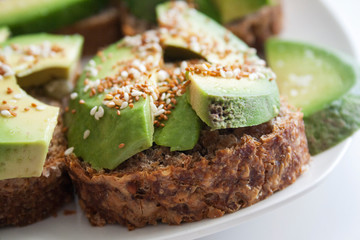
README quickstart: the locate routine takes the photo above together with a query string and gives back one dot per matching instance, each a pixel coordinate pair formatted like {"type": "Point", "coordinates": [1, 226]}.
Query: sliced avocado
{"type": "Point", "coordinates": [237, 90]}
{"type": "Point", "coordinates": [311, 77]}
{"type": "Point", "coordinates": [322, 83]}
{"type": "Point", "coordinates": [230, 10]}
{"type": "Point", "coordinates": [232, 103]}
{"type": "Point", "coordinates": [4, 34]}
{"type": "Point", "coordinates": [329, 126]}
{"type": "Point", "coordinates": [39, 58]}
{"type": "Point", "coordinates": [185, 29]}
{"type": "Point", "coordinates": [103, 131]}
{"type": "Point", "coordinates": [26, 128]}
{"type": "Point", "coordinates": [182, 129]}
{"type": "Point", "coordinates": [32, 16]}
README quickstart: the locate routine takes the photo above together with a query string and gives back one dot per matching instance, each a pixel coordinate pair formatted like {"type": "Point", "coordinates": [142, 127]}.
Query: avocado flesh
{"type": "Point", "coordinates": [32, 16]}
{"type": "Point", "coordinates": [4, 34]}
{"type": "Point", "coordinates": [217, 39]}
{"type": "Point", "coordinates": [328, 127]}
{"type": "Point", "coordinates": [221, 102]}
{"type": "Point", "coordinates": [182, 129]}
{"type": "Point", "coordinates": [133, 128]}
{"type": "Point", "coordinates": [224, 103]}
{"type": "Point", "coordinates": [330, 115]}
{"type": "Point", "coordinates": [61, 65]}
{"type": "Point", "coordinates": [230, 10]}
{"type": "Point", "coordinates": [310, 77]}
{"type": "Point", "coordinates": [25, 138]}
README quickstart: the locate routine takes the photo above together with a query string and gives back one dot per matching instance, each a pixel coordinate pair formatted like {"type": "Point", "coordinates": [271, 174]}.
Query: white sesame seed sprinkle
{"type": "Point", "coordinates": [100, 113]}
{"type": "Point", "coordinates": [69, 151]}
{"type": "Point", "coordinates": [6, 113]}
{"type": "Point", "coordinates": [159, 112]}
{"type": "Point", "coordinates": [163, 75]}
{"type": "Point", "coordinates": [73, 95]}
{"type": "Point", "coordinates": [124, 105]}
{"type": "Point", "coordinates": [18, 96]}
{"type": "Point", "coordinates": [93, 110]}
{"type": "Point", "coordinates": [124, 74]}
{"type": "Point", "coordinates": [86, 134]}
{"type": "Point", "coordinates": [40, 108]}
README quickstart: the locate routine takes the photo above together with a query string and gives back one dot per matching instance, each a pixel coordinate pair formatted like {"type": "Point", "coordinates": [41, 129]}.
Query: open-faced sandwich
{"type": "Point", "coordinates": [223, 139]}
{"type": "Point", "coordinates": [33, 180]}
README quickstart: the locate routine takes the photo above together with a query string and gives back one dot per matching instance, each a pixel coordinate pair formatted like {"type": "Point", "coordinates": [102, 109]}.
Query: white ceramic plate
{"type": "Point", "coordinates": [305, 20]}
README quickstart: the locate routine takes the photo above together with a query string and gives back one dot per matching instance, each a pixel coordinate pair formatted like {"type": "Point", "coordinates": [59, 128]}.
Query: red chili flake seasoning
{"type": "Point", "coordinates": [33, 105]}
{"type": "Point", "coordinates": [26, 109]}
{"type": "Point", "coordinates": [4, 102]}
{"type": "Point", "coordinates": [121, 145]}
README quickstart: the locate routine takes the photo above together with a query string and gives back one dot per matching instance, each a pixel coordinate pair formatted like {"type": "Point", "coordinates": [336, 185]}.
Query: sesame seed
{"type": "Point", "coordinates": [159, 112]}
{"type": "Point", "coordinates": [18, 96]}
{"type": "Point", "coordinates": [162, 75]}
{"type": "Point", "coordinates": [73, 95]}
{"type": "Point", "coordinates": [121, 145]}
{"type": "Point", "coordinates": [81, 101]}
{"type": "Point", "coordinates": [100, 113]}
{"type": "Point", "coordinates": [124, 105]}
{"type": "Point", "coordinates": [6, 113]}
{"type": "Point", "coordinates": [86, 134]}
{"type": "Point", "coordinates": [93, 110]}
{"type": "Point", "coordinates": [110, 104]}
{"type": "Point", "coordinates": [69, 151]}
{"type": "Point", "coordinates": [124, 74]}
{"type": "Point", "coordinates": [40, 108]}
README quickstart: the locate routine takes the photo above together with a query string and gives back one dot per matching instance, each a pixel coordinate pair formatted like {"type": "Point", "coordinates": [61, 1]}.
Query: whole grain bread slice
{"type": "Point", "coordinates": [226, 171]}
{"type": "Point", "coordinates": [27, 200]}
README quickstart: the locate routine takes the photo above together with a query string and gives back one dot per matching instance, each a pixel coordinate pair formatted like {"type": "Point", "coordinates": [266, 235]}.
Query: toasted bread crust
{"type": "Point", "coordinates": [255, 28]}
{"type": "Point", "coordinates": [227, 170]}
{"type": "Point", "coordinates": [27, 200]}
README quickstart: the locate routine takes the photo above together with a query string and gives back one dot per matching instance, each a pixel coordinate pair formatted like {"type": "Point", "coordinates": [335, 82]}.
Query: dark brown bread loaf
{"type": "Point", "coordinates": [26, 200]}
{"type": "Point", "coordinates": [227, 170]}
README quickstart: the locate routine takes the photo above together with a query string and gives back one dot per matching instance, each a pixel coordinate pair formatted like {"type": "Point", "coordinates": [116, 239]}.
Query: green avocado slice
{"type": "Point", "coordinates": [328, 127]}
{"type": "Point", "coordinates": [39, 58]}
{"type": "Point", "coordinates": [186, 29]}
{"type": "Point", "coordinates": [26, 128]}
{"type": "Point", "coordinates": [182, 130]}
{"type": "Point", "coordinates": [325, 87]}
{"type": "Point", "coordinates": [32, 16]}
{"type": "Point", "coordinates": [103, 131]}
{"type": "Point", "coordinates": [311, 77]}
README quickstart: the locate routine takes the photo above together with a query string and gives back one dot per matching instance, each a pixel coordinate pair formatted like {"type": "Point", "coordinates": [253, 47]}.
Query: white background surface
{"type": "Point", "coordinates": [332, 209]}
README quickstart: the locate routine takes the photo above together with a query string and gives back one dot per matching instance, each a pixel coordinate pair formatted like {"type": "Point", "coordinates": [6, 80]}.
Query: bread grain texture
{"type": "Point", "coordinates": [226, 171]}
{"type": "Point", "coordinates": [255, 28]}
{"type": "Point", "coordinates": [24, 201]}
